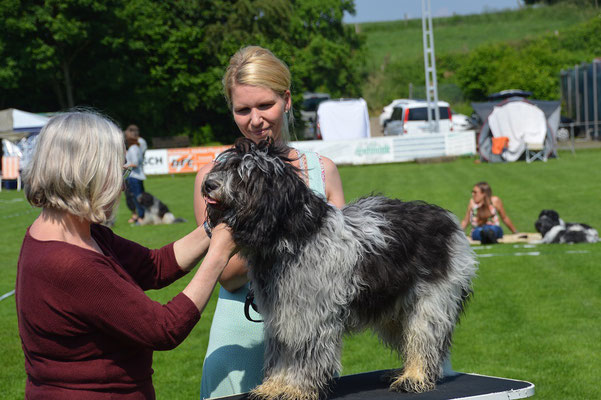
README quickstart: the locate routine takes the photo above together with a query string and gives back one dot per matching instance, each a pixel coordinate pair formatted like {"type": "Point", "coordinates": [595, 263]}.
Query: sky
{"type": "Point", "coordinates": [390, 10]}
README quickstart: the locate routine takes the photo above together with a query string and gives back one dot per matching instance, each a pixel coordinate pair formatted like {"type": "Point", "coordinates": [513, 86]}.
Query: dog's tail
{"type": "Point", "coordinates": [179, 220]}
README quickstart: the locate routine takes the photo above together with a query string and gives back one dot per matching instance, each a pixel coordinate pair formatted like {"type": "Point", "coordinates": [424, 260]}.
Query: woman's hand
{"type": "Point", "coordinates": [222, 241]}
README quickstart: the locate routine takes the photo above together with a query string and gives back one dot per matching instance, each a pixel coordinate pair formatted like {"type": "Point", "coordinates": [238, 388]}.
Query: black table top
{"type": "Point", "coordinates": [374, 386]}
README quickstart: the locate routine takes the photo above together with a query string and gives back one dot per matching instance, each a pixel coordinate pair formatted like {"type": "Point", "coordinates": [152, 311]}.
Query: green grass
{"type": "Point", "coordinates": [532, 317]}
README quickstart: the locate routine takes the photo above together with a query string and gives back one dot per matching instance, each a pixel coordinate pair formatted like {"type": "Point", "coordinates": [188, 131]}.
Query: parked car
{"type": "Point", "coordinates": [309, 107]}
{"type": "Point", "coordinates": [412, 117]}
{"type": "Point", "coordinates": [462, 122]}
{"type": "Point", "coordinates": [387, 111]}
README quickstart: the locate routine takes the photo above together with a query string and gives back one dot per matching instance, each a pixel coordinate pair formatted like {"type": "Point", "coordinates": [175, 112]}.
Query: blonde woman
{"type": "Point", "coordinates": [87, 328]}
{"type": "Point", "coordinates": [257, 89]}
{"type": "Point", "coordinates": [484, 213]}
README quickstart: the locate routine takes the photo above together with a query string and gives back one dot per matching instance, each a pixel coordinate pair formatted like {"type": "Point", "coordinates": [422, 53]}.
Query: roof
{"type": "Point", "coordinates": [15, 124]}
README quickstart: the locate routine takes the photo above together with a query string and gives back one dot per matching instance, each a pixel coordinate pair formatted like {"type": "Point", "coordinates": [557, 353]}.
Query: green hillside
{"type": "Point", "coordinates": [395, 49]}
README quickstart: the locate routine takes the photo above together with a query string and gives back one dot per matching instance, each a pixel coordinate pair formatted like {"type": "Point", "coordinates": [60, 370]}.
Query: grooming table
{"type": "Point", "coordinates": [374, 386]}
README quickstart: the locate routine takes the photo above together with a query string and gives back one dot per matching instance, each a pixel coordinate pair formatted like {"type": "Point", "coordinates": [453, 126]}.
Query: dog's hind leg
{"type": "Point", "coordinates": [426, 336]}
{"type": "Point", "coordinates": [431, 318]}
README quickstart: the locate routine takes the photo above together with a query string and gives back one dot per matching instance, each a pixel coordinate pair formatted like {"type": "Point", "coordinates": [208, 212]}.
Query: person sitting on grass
{"type": "Point", "coordinates": [88, 330]}
{"type": "Point", "coordinates": [483, 212]}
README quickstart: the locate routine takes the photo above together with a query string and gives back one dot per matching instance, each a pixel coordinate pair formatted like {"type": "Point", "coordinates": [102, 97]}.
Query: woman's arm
{"type": "Point", "coordinates": [234, 275]}
{"type": "Point", "coordinates": [221, 249]}
{"type": "Point", "coordinates": [190, 249]}
{"type": "Point", "coordinates": [334, 191]}
{"type": "Point", "coordinates": [132, 156]}
{"type": "Point", "coordinates": [498, 204]}
{"type": "Point", "coordinates": [466, 220]}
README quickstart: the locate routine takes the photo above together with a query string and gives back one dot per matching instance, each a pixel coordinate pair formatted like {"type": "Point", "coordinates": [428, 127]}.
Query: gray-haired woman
{"type": "Point", "coordinates": [87, 328]}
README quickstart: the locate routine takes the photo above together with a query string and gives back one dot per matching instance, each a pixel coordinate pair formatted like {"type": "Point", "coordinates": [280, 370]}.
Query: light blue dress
{"type": "Point", "coordinates": [234, 360]}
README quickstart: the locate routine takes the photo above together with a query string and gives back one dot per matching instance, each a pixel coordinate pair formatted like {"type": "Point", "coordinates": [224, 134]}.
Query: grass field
{"type": "Point", "coordinates": [535, 314]}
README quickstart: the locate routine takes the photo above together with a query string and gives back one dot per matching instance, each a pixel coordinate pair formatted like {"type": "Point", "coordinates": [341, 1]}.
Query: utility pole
{"type": "Point", "coordinates": [430, 68]}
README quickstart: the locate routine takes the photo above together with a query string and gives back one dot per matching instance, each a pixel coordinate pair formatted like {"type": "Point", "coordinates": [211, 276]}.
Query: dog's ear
{"type": "Point", "coordinates": [243, 145]}
{"type": "Point", "coordinates": [551, 214]}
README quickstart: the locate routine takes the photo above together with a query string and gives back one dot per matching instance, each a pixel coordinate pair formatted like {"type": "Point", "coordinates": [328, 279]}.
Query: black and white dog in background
{"type": "Point", "coordinates": [155, 211]}
{"type": "Point", "coordinates": [403, 269]}
{"type": "Point", "coordinates": [555, 230]}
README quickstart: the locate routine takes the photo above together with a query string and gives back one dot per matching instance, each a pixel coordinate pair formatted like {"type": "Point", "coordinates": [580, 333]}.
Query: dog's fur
{"type": "Point", "coordinates": [555, 230]}
{"type": "Point", "coordinates": [155, 211]}
{"type": "Point", "coordinates": [404, 269]}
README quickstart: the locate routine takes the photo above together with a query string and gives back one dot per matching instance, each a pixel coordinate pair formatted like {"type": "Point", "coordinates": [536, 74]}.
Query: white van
{"type": "Point", "coordinates": [411, 116]}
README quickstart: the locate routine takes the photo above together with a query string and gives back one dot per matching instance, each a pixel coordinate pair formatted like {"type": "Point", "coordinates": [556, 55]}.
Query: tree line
{"type": "Point", "coordinates": [159, 64]}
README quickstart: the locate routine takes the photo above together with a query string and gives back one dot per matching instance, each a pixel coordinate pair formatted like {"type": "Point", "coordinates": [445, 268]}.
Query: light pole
{"type": "Point", "coordinates": [430, 68]}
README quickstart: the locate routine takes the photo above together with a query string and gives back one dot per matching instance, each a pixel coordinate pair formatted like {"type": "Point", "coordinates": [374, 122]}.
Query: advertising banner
{"type": "Point", "coordinates": [356, 152]}
{"type": "Point", "coordinates": [182, 160]}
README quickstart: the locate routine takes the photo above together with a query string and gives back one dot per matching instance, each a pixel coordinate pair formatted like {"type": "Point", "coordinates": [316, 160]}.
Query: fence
{"type": "Point", "coordinates": [580, 90]}
{"type": "Point", "coordinates": [356, 152]}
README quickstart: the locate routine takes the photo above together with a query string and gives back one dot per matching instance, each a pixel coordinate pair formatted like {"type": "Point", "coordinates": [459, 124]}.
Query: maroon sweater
{"type": "Point", "coordinates": [87, 328]}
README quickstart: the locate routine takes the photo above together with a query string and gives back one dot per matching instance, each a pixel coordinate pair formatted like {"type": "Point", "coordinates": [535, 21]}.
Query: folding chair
{"type": "Point", "coordinates": [10, 170]}
{"type": "Point", "coordinates": [535, 151]}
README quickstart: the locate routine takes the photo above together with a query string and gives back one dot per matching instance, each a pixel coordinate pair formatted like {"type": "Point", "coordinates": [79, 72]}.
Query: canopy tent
{"type": "Point", "coordinates": [343, 119]}
{"type": "Point", "coordinates": [18, 131]}
{"type": "Point", "coordinates": [16, 124]}
{"type": "Point", "coordinates": [522, 121]}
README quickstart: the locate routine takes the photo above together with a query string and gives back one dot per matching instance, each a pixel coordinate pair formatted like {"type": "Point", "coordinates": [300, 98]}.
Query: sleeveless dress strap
{"type": "Point", "coordinates": [312, 164]}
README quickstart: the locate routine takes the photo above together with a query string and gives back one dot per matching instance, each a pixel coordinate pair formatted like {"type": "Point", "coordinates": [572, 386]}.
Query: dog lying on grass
{"type": "Point", "coordinates": [555, 230]}
{"type": "Point", "coordinates": [317, 272]}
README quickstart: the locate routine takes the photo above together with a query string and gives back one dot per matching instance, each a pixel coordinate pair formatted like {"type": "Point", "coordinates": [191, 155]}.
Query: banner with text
{"type": "Point", "coordinates": [182, 160]}
{"type": "Point", "coordinates": [357, 152]}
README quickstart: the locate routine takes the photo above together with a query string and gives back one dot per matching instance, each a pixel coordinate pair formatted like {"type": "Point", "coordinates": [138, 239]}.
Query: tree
{"type": "Point", "coordinates": [160, 63]}
{"type": "Point", "coordinates": [534, 65]}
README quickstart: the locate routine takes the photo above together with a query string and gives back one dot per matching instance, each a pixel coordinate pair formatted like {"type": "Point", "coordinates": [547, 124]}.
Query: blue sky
{"type": "Point", "coordinates": [389, 10]}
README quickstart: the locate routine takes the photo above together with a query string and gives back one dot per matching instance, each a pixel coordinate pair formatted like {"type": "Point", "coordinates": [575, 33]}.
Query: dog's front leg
{"type": "Point", "coordinates": [299, 370]}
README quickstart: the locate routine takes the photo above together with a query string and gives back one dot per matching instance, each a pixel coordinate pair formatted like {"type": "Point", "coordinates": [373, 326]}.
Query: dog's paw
{"type": "Point", "coordinates": [278, 389]}
{"type": "Point", "coordinates": [413, 383]}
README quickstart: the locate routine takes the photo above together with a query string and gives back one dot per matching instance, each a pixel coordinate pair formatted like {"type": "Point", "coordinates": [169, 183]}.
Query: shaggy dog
{"type": "Point", "coordinates": [317, 272]}
{"type": "Point", "coordinates": [155, 211]}
{"type": "Point", "coordinates": [554, 230]}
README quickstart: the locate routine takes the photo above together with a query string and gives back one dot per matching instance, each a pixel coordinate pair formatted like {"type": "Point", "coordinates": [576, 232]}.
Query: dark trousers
{"type": "Point", "coordinates": [133, 188]}
{"type": "Point", "coordinates": [477, 232]}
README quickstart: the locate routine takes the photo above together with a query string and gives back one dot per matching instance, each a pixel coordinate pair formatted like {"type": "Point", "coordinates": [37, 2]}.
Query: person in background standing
{"type": "Point", "coordinates": [133, 131]}
{"type": "Point", "coordinates": [135, 181]}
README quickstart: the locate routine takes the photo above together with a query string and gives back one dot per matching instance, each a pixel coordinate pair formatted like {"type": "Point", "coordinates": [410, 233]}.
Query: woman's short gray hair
{"type": "Point", "coordinates": [77, 166]}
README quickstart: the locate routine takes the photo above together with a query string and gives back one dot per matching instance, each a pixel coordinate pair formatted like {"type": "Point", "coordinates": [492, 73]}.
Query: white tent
{"type": "Point", "coordinates": [18, 131]}
{"type": "Point", "coordinates": [16, 124]}
{"type": "Point", "coordinates": [522, 121]}
{"type": "Point", "coordinates": [343, 119]}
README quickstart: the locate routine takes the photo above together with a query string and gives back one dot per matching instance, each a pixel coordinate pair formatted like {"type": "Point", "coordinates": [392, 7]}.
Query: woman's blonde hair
{"type": "Point", "coordinates": [77, 166]}
{"type": "Point", "coordinates": [257, 66]}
